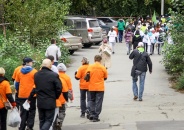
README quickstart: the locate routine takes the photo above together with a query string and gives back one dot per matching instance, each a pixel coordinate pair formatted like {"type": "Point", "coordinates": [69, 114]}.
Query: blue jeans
{"type": "Point", "coordinates": [120, 34]}
{"type": "Point", "coordinates": [55, 63]}
{"type": "Point", "coordinates": [83, 103]}
{"type": "Point", "coordinates": [96, 103]}
{"type": "Point", "coordinates": [141, 84]}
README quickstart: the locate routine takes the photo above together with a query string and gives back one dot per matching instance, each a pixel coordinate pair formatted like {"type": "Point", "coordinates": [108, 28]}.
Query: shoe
{"type": "Point", "coordinates": [140, 99]}
{"type": "Point", "coordinates": [96, 120]}
{"type": "Point", "coordinates": [90, 117]}
{"type": "Point", "coordinates": [113, 52]}
{"type": "Point", "coordinates": [28, 128]}
{"type": "Point", "coordinates": [135, 97]}
{"type": "Point", "coordinates": [87, 116]}
{"type": "Point", "coordinates": [82, 115]}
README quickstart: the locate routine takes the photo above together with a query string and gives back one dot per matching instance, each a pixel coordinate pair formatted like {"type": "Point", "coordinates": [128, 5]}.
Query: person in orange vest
{"type": "Point", "coordinates": [62, 74]}
{"type": "Point", "coordinates": [5, 94]}
{"type": "Point", "coordinates": [84, 93]}
{"type": "Point", "coordinates": [24, 84]}
{"type": "Point", "coordinates": [15, 73]}
{"type": "Point", "coordinates": [98, 74]}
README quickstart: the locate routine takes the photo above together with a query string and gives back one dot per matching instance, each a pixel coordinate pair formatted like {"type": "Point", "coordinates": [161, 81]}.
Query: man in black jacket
{"type": "Point", "coordinates": [141, 60]}
{"type": "Point", "coordinates": [47, 89]}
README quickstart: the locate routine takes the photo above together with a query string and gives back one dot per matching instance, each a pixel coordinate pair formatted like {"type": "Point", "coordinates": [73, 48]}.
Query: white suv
{"type": "Point", "coordinates": [94, 31]}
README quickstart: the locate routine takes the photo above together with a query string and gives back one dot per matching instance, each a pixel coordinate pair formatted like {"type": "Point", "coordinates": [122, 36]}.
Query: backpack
{"type": "Point", "coordinates": [160, 38]}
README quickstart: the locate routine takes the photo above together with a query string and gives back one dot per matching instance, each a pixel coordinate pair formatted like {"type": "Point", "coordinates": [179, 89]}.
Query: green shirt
{"type": "Point", "coordinates": [121, 25]}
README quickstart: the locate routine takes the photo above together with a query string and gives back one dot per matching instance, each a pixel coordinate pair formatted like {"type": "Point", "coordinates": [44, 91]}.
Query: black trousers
{"type": "Point", "coordinates": [84, 105]}
{"type": "Point", "coordinates": [3, 118]}
{"type": "Point", "coordinates": [96, 103]}
{"type": "Point", "coordinates": [46, 117]}
{"type": "Point", "coordinates": [27, 117]}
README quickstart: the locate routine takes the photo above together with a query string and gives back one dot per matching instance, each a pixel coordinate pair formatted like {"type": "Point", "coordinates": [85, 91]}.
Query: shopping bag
{"type": "Point", "coordinates": [14, 119]}
{"type": "Point", "coordinates": [107, 51]}
{"type": "Point", "coordinates": [26, 105]}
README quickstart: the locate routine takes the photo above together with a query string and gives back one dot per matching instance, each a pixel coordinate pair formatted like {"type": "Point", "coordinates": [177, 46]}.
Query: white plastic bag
{"type": "Point", "coordinates": [14, 119]}
{"type": "Point", "coordinates": [26, 105]}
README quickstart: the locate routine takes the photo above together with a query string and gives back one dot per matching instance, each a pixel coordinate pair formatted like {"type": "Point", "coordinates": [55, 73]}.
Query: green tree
{"type": "Point", "coordinates": [35, 19]}
{"type": "Point", "coordinates": [117, 8]}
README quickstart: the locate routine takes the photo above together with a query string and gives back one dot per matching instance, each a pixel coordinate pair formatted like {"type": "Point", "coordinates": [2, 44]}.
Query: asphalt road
{"type": "Point", "coordinates": [162, 107]}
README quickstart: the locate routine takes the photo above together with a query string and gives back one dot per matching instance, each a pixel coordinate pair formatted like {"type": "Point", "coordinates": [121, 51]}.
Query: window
{"type": "Point", "coordinates": [93, 23]}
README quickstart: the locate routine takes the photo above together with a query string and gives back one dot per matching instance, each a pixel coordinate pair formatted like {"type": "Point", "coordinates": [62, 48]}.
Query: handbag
{"type": "Point", "coordinates": [7, 104]}
{"type": "Point", "coordinates": [107, 51]}
{"type": "Point", "coordinates": [87, 77]}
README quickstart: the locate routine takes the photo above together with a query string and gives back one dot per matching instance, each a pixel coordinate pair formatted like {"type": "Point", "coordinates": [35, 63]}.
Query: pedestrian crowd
{"type": "Point", "coordinates": [50, 88]}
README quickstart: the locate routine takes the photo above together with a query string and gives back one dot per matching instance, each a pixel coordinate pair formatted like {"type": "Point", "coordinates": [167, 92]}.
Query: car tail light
{"type": "Point", "coordinates": [64, 39]}
{"type": "Point", "coordinates": [90, 30]}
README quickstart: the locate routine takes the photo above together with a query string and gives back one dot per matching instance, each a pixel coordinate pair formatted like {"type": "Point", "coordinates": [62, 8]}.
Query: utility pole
{"type": "Point", "coordinates": [162, 7]}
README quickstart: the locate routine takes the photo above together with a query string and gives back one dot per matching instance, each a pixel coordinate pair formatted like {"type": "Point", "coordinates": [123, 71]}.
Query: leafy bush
{"type": "Point", "coordinates": [180, 83]}
{"type": "Point", "coordinates": [12, 51]}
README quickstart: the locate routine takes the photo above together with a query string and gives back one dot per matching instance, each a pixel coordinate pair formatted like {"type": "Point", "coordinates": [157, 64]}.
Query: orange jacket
{"type": "Point", "coordinates": [26, 83]}
{"type": "Point", "coordinates": [16, 71]}
{"type": "Point", "coordinates": [4, 89]}
{"type": "Point", "coordinates": [81, 74]}
{"type": "Point", "coordinates": [97, 74]}
{"type": "Point", "coordinates": [67, 79]}
{"type": "Point", "coordinates": [61, 100]}
{"type": "Point", "coordinates": [116, 29]}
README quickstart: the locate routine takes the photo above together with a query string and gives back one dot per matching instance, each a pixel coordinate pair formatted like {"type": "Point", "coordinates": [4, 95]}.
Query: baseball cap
{"type": "Point", "coordinates": [27, 60]}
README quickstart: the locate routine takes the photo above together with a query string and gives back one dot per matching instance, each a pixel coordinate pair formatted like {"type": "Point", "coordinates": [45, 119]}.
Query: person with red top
{"type": "Point", "coordinates": [24, 84]}
{"type": "Point", "coordinates": [98, 74]}
{"type": "Point", "coordinates": [5, 94]}
{"type": "Point", "coordinates": [79, 75]}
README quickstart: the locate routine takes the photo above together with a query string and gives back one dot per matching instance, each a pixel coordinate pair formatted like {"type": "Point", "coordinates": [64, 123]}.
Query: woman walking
{"type": "Point", "coordinates": [5, 96]}
{"type": "Point", "coordinates": [106, 57]}
{"type": "Point", "coordinates": [128, 40]}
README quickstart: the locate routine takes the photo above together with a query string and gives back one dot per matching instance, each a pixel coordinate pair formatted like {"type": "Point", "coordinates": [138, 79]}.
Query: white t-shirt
{"type": "Point", "coordinates": [145, 38]}
{"type": "Point", "coordinates": [53, 50]}
{"type": "Point", "coordinates": [112, 36]}
{"type": "Point", "coordinates": [54, 69]}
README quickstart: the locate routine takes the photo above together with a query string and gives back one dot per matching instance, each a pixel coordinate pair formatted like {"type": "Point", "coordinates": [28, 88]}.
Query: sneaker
{"type": "Point", "coordinates": [96, 120]}
{"type": "Point", "coordinates": [87, 116]}
{"type": "Point", "coordinates": [28, 128]}
{"type": "Point", "coordinates": [135, 97]}
{"type": "Point", "coordinates": [90, 117]}
{"type": "Point", "coordinates": [82, 115]}
{"type": "Point", "coordinates": [140, 99]}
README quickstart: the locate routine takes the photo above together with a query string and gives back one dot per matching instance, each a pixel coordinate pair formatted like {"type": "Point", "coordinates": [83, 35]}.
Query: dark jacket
{"type": "Point", "coordinates": [142, 63]}
{"type": "Point", "coordinates": [48, 88]}
{"type": "Point", "coordinates": [136, 39]}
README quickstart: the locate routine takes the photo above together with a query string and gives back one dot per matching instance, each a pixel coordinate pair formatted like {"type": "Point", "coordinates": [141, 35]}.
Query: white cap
{"type": "Point", "coordinates": [61, 67]}
{"type": "Point", "coordinates": [141, 44]}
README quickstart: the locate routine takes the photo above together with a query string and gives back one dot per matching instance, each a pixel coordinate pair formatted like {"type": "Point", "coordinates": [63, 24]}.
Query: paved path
{"type": "Point", "coordinates": [161, 109]}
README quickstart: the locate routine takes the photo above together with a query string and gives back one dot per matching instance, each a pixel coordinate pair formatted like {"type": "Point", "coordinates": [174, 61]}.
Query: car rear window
{"type": "Point", "coordinates": [80, 24]}
{"type": "Point", "coordinates": [93, 23]}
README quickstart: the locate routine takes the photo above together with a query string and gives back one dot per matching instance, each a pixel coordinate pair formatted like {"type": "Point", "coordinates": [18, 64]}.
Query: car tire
{"type": "Point", "coordinates": [87, 45]}
{"type": "Point", "coordinates": [71, 52]}
{"type": "Point", "coordinates": [97, 43]}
